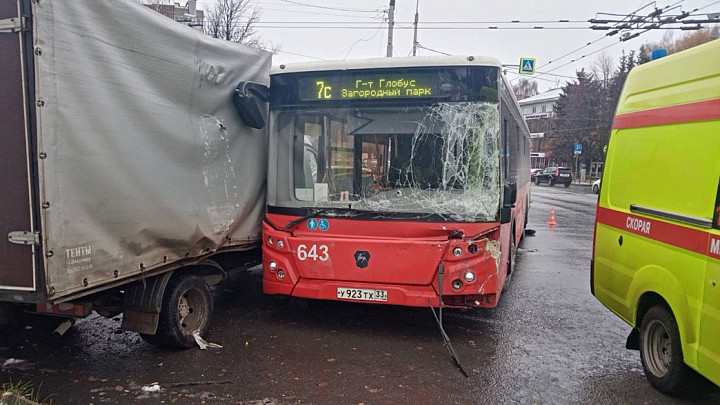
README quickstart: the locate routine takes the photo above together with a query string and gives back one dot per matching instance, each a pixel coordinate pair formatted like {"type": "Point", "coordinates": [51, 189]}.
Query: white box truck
{"type": "Point", "coordinates": [132, 156]}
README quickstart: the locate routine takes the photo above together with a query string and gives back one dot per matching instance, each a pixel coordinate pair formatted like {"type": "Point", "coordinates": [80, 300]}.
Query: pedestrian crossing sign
{"type": "Point", "coordinates": [527, 66]}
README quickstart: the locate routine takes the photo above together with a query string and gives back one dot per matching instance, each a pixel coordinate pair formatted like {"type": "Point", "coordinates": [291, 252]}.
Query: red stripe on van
{"type": "Point", "coordinates": [691, 112]}
{"type": "Point", "coordinates": [676, 235]}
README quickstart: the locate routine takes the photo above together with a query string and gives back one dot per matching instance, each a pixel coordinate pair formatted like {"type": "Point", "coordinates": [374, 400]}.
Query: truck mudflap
{"type": "Point", "coordinates": [142, 304]}
{"type": "Point", "coordinates": [384, 269]}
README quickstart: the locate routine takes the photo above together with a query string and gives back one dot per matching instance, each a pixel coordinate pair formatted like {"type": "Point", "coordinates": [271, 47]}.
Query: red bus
{"type": "Point", "coordinates": [389, 175]}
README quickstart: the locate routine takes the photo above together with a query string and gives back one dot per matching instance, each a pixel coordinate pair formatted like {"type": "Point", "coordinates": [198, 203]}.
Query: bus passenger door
{"type": "Point", "coordinates": [709, 350]}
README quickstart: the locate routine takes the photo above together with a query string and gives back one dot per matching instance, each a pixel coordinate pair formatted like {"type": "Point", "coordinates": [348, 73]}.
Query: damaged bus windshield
{"type": "Point", "coordinates": [413, 140]}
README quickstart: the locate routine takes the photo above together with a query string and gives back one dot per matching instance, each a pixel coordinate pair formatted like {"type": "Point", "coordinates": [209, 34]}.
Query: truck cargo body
{"type": "Point", "coordinates": [122, 153]}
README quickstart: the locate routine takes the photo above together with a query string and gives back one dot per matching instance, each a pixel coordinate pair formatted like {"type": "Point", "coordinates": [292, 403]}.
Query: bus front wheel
{"type": "Point", "coordinates": [661, 351]}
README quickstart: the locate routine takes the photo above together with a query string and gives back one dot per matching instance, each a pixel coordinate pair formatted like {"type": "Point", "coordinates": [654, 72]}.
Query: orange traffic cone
{"type": "Point", "coordinates": [552, 222]}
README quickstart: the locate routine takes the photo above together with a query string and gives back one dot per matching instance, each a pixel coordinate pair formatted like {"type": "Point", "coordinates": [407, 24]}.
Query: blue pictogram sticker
{"type": "Point", "coordinates": [312, 224]}
{"type": "Point", "coordinates": [323, 224]}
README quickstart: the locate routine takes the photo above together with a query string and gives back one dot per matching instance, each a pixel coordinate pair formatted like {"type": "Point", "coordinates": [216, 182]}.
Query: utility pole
{"type": "Point", "coordinates": [415, 41]}
{"type": "Point", "coordinates": [391, 21]}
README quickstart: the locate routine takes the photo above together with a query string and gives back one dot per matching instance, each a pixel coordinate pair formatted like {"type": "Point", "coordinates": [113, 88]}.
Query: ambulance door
{"type": "Point", "coordinates": [709, 353]}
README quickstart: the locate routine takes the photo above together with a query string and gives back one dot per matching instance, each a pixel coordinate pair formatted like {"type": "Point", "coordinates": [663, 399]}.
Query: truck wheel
{"type": "Point", "coordinates": [661, 351]}
{"type": "Point", "coordinates": [186, 308]}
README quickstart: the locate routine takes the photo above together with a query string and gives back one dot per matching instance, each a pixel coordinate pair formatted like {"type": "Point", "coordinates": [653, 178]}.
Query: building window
{"type": "Point", "coordinates": [534, 109]}
{"type": "Point", "coordinates": [544, 108]}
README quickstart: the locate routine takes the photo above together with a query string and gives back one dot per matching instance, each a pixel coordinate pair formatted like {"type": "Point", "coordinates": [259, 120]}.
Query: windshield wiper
{"type": "Point", "coordinates": [307, 216]}
{"type": "Point", "coordinates": [352, 212]}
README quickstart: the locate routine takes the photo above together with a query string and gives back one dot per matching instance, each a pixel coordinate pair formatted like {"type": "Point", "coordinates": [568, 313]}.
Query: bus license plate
{"type": "Point", "coordinates": [361, 294]}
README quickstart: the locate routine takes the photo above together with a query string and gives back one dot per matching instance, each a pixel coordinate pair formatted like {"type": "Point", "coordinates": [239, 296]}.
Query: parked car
{"type": "Point", "coordinates": [596, 186]}
{"type": "Point", "coordinates": [555, 175]}
{"type": "Point", "coordinates": [533, 173]}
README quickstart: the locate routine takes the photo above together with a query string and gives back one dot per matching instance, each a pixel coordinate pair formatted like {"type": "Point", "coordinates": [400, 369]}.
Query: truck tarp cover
{"type": "Point", "coordinates": [147, 160]}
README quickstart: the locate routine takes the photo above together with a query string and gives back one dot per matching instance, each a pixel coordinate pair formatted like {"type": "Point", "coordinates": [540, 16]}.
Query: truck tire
{"type": "Point", "coordinates": [186, 308]}
{"type": "Point", "coordinates": [661, 351]}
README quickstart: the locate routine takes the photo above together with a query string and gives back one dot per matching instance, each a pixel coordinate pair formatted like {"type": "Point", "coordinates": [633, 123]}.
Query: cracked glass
{"type": "Point", "coordinates": [423, 157]}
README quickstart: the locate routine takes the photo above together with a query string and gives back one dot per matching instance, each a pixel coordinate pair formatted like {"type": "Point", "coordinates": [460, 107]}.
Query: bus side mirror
{"type": "Point", "coordinates": [509, 198]}
{"type": "Point", "coordinates": [509, 195]}
{"type": "Point", "coordinates": [248, 99]}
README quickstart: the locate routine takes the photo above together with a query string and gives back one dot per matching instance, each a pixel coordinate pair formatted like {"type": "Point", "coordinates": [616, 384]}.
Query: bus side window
{"type": "Point", "coordinates": [505, 149]}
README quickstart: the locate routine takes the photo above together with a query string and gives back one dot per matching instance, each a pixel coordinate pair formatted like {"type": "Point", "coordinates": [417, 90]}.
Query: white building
{"type": "Point", "coordinates": [187, 14]}
{"type": "Point", "coordinates": [539, 110]}
{"type": "Point", "coordinates": [541, 105]}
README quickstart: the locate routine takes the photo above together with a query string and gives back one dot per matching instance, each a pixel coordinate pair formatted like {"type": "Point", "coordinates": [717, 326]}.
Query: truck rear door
{"type": "Point", "coordinates": [16, 248]}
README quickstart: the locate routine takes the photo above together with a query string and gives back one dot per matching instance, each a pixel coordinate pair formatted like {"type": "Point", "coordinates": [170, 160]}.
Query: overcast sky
{"type": "Point", "coordinates": [509, 46]}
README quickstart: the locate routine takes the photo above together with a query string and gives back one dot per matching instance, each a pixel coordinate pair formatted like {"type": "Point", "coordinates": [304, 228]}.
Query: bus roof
{"type": "Point", "coordinates": [370, 63]}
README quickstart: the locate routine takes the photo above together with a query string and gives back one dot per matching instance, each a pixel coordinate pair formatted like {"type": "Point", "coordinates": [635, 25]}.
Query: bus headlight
{"type": "Point", "coordinates": [457, 251]}
{"type": "Point", "coordinates": [272, 266]}
{"type": "Point", "coordinates": [280, 274]}
{"type": "Point", "coordinates": [457, 284]}
{"type": "Point", "coordinates": [270, 240]}
{"type": "Point", "coordinates": [280, 244]}
{"type": "Point", "coordinates": [469, 276]}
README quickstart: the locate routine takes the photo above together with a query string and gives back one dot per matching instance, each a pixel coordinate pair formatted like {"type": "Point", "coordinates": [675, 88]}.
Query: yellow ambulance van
{"type": "Point", "coordinates": [656, 253]}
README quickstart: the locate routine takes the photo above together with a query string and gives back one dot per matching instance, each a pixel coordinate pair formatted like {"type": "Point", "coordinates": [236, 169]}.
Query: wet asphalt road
{"type": "Point", "coordinates": [548, 341]}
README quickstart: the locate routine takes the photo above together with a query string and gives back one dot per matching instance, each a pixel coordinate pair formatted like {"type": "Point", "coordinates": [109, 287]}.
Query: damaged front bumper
{"type": "Point", "coordinates": [404, 271]}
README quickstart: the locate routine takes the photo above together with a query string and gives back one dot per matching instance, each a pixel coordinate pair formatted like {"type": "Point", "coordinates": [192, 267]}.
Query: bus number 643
{"type": "Point", "coordinates": [314, 252]}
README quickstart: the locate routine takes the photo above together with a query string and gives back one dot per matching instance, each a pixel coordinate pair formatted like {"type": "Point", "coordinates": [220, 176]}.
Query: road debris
{"type": "Point", "coordinates": [63, 328]}
{"type": "Point", "coordinates": [16, 364]}
{"type": "Point", "coordinates": [11, 361]}
{"type": "Point", "coordinates": [151, 388]}
{"type": "Point", "coordinates": [192, 383]}
{"type": "Point", "coordinates": [204, 344]}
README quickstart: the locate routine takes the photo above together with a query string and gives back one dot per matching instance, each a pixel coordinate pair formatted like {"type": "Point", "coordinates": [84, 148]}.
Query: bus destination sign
{"type": "Point", "coordinates": [371, 87]}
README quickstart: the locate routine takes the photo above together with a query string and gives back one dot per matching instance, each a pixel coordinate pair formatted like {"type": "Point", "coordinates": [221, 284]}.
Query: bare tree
{"type": "Point", "coordinates": [673, 45]}
{"type": "Point", "coordinates": [525, 88]}
{"type": "Point", "coordinates": [603, 69]}
{"type": "Point", "coordinates": [234, 20]}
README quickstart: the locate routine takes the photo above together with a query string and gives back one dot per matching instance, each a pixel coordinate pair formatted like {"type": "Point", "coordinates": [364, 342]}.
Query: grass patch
{"type": "Point", "coordinates": [21, 393]}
